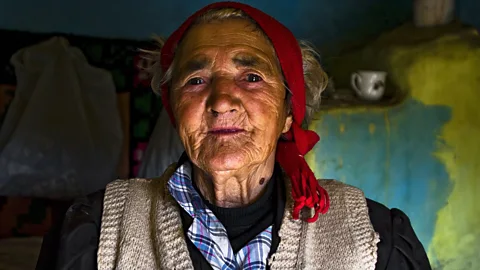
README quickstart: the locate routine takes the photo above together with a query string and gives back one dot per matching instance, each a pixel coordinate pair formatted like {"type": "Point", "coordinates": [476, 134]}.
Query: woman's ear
{"type": "Point", "coordinates": [288, 123]}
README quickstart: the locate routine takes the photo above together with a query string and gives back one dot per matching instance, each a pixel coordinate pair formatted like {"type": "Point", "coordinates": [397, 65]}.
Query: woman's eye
{"type": "Point", "coordinates": [253, 78]}
{"type": "Point", "coordinates": [196, 81]}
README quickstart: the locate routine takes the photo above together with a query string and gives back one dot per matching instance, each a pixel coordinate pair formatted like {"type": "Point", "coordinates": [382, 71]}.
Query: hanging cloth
{"type": "Point", "coordinates": [62, 135]}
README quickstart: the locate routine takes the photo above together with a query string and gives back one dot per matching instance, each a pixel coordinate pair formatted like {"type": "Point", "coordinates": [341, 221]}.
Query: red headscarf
{"type": "Point", "coordinates": [306, 191]}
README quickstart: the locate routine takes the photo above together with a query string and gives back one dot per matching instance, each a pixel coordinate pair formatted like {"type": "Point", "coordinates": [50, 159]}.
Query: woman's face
{"type": "Point", "coordinates": [228, 96]}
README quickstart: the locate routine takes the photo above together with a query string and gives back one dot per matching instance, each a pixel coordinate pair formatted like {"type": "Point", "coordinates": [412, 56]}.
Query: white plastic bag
{"type": "Point", "coordinates": [61, 137]}
{"type": "Point", "coordinates": [164, 148]}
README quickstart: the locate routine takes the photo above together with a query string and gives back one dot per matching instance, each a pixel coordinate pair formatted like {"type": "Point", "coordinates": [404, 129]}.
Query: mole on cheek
{"type": "Point", "coordinates": [262, 181]}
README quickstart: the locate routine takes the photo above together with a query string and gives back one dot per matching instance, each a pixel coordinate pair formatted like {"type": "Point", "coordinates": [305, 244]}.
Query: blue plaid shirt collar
{"type": "Point", "coordinates": [209, 235]}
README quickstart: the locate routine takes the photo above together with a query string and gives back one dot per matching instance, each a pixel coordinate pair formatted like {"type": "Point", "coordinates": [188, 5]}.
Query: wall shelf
{"type": "Point", "coordinates": [346, 99]}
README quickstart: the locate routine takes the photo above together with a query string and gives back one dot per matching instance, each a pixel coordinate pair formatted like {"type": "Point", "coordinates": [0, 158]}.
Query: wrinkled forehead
{"type": "Point", "coordinates": [237, 39]}
{"type": "Point", "coordinates": [225, 32]}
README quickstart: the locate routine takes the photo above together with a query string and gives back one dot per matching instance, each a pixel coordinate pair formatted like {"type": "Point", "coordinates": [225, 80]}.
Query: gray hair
{"type": "Point", "coordinates": [316, 79]}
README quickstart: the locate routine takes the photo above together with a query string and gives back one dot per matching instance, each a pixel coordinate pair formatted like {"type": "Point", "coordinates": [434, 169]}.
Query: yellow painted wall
{"type": "Point", "coordinates": [448, 73]}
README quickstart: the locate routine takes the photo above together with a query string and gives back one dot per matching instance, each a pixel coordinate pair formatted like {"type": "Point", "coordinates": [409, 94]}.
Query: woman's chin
{"type": "Point", "coordinates": [225, 162]}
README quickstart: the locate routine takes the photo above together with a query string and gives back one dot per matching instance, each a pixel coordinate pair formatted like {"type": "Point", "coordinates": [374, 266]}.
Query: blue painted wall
{"type": "Point", "coordinates": [326, 23]}
{"type": "Point", "coordinates": [388, 153]}
{"type": "Point", "coordinates": [323, 22]}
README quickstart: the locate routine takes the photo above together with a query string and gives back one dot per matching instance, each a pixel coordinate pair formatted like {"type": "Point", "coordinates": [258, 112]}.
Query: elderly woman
{"type": "Point", "coordinates": [238, 88]}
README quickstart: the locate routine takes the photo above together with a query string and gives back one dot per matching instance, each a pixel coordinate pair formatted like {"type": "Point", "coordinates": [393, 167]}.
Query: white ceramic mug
{"type": "Point", "coordinates": [369, 85]}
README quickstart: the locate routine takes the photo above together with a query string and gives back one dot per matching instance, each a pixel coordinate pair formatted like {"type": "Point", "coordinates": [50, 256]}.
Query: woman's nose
{"type": "Point", "coordinates": [223, 97]}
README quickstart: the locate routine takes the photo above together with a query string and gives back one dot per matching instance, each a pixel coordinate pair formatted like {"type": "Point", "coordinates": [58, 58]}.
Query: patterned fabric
{"type": "Point", "coordinates": [145, 108]}
{"type": "Point", "coordinates": [209, 235]}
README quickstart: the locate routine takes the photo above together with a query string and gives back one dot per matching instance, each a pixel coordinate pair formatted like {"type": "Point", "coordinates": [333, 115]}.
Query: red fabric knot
{"type": "Point", "coordinates": [305, 139]}
{"type": "Point", "coordinates": [306, 191]}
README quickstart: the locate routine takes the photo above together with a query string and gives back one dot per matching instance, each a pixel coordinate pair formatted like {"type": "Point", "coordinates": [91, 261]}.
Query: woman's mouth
{"type": "Point", "coordinates": [226, 131]}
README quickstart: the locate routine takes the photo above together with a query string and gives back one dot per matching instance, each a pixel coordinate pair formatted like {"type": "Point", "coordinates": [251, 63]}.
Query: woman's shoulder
{"type": "Point", "coordinates": [338, 190]}
{"type": "Point", "coordinates": [74, 241]}
{"type": "Point", "coordinates": [399, 246]}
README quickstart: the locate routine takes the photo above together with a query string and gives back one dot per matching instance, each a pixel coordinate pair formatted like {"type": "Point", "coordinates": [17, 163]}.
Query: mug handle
{"type": "Point", "coordinates": [355, 79]}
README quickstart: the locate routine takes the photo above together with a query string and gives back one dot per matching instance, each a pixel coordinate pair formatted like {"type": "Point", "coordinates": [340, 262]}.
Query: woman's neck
{"type": "Point", "coordinates": [234, 188]}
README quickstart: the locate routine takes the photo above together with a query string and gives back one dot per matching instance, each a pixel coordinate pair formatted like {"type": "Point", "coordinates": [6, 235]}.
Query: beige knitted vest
{"type": "Point", "coordinates": [142, 229]}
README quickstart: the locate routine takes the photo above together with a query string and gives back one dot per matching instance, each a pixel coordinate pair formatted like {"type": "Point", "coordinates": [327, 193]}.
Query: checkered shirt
{"type": "Point", "coordinates": [209, 235]}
